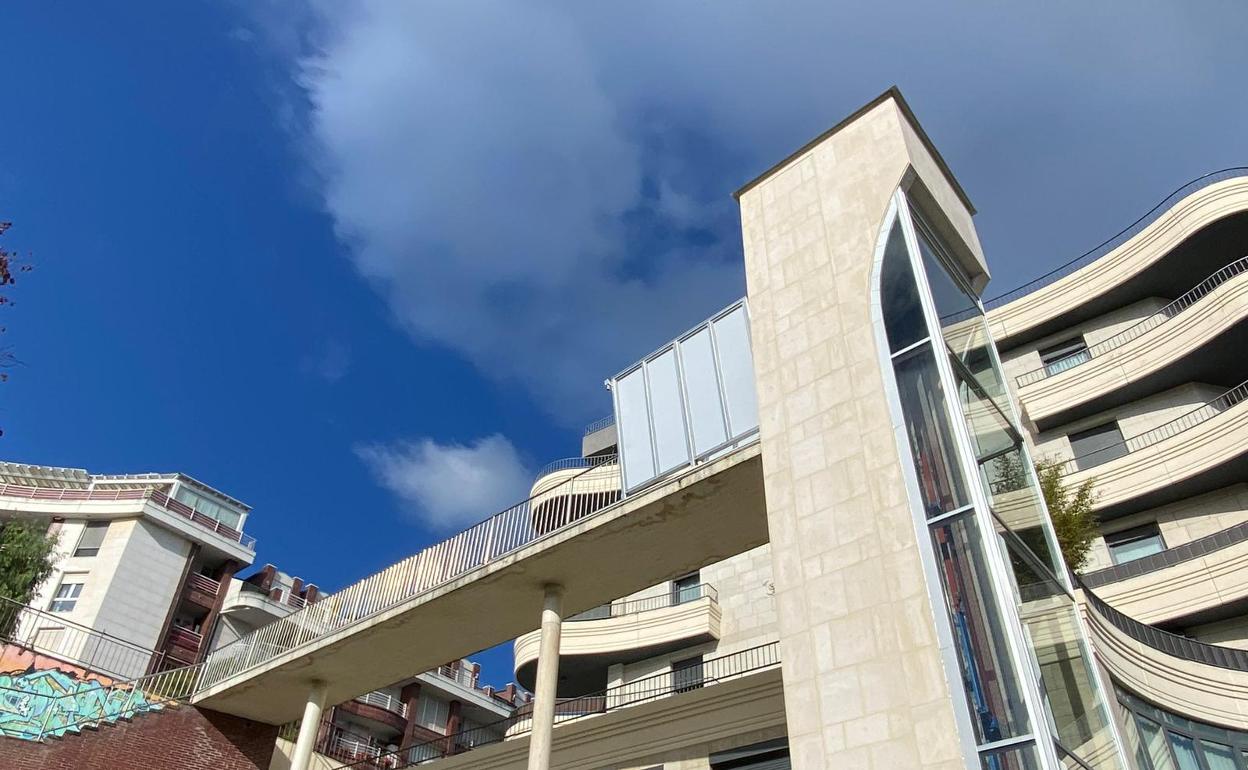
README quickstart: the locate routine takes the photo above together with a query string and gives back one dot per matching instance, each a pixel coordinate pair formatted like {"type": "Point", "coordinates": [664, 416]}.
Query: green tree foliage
{"type": "Point", "coordinates": [27, 556]}
{"type": "Point", "coordinates": [1071, 511]}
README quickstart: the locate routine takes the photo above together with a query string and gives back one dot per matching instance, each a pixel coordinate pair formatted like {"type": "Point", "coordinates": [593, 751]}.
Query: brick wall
{"type": "Point", "coordinates": [186, 738]}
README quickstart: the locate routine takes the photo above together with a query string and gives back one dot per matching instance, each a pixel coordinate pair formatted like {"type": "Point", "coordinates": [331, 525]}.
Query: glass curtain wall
{"type": "Point", "coordinates": [976, 479]}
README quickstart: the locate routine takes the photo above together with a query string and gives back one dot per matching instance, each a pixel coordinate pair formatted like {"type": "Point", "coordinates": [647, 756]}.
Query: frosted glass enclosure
{"type": "Point", "coordinates": [688, 400]}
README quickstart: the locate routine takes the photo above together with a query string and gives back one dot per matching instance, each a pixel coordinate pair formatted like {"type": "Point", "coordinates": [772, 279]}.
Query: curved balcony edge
{"type": "Point", "coordinates": [1191, 208]}
{"type": "Point", "coordinates": [1175, 673]}
{"type": "Point", "coordinates": [599, 642]}
{"type": "Point", "coordinates": [1171, 455]}
{"type": "Point", "coordinates": [1078, 388]}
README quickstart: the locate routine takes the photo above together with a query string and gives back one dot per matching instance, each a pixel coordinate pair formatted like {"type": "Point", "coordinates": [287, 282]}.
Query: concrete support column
{"type": "Point", "coordinates": [547, 679]}
{"type": "Point", "coordinates": [308, 728]}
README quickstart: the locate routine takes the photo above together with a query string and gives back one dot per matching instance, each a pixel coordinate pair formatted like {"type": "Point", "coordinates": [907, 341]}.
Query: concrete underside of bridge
{"type": "Point", "coordinates": [705, 515]}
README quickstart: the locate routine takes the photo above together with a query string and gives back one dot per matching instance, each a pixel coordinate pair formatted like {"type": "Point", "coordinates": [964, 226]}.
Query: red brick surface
{"type": "Point", "coordinates": [186, 738]}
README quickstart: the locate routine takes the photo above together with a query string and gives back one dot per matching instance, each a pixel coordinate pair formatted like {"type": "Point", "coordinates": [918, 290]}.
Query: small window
{"type": "Point", "coordinates": [687, 588]}
{"type": "Point", "coordinates": [67, 594]}
{"type": "Point", "coordinates": [92, 538]}
{"type": "Point", "coordinates": [1137, 542]}
{"type": "Point", "coordinates": [1064, 355]}
{"type": "Point", "coordinates": [687, 674]}
{"type": "Point", "coordinates": [1098, 445]}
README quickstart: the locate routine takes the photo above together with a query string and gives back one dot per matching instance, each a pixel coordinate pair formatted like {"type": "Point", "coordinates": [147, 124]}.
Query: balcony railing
{"type": "Point", "coordinates": [583, 495]}
{"type": "Point", "coordinates": [203, 584]}
{"type": "Point", "coordinates": [600, 424]}
{"type": "Point", "coordinates": [1171, 644]}
{"type": "Point", "coordinates": [51, 634]}
{"type": "Point", "coordinates": [384, 700]}
{"type": "Point", "coordinates": [459, 675]}
{"type": "Point", "coordinates": [1189, 298]}
{"type": "Point", "coordinates": [1190, 420]}
{"type": "Point", "coordinates": [672, 598]}
{"type": "Point", "coordinates": [711, 672]}
{"type": "Point", "coordinates": [147, 493]}
{"type": "Point", "coordinates": [1130, 231]}
{"type": "Point", "coordinates": [575, 462]}
{"type": "Point", "coordinates": [1170, 557]}
{"type": "Point", "coordinates": [183, 644]}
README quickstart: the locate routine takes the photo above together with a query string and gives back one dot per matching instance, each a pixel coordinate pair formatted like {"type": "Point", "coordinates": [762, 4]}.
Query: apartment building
{"type": "Point", "coordinates": [811, 534]}
{"type": "Point", "coordinates": [1127, 364]}
{"type": "Point", "coordinates": [146, 559]}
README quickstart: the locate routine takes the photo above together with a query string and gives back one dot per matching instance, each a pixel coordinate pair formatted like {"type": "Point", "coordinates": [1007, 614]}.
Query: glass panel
{"type": "Point", "coordinates": [1135, 543]}
{"type": "Point", "coordinates": [736, 367]}
{"type": "Point", "coordinates": [996, 705]}
{"type": "Point", "coordinates": [634, 426]}
{"type": "Point", "coordinates": [706, 408]}
{"type": "Point", "coordinates": [1098, 445]}
{"type": "Point", "coordinates": [1134, 743]}
{"type": "Point", "coordinates": [927, 426]}
{"type": "Point", "coordinates": [1154, 744]}
{"type": "Point", "coordinates": [1218, 757]}
{"type": "Point", "coordinates": [1069, 682]}
{"type": "Point", "coordinates": [1018, 507]}
{"type": "Point", "coordinates": [687, 674]}
{"type": "Point", "coordinates": [1019, 758]}
{"type": "Point", "coordinates": [899, 294]}
{"type": "Point", "coordinates": [667, 412]}
{"type": "Point", "coordinates": [991, 431]}
{"type": "Point", "coordinates": [92, 538]}
{"type": "Point", "coordinates": [1184, 751]}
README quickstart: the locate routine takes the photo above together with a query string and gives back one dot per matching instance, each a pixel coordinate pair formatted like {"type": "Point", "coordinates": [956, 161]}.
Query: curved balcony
{"type": "Point", "coordinates": [1198, 452]}
{"type": "Point", "coordinates": [1194, 578]}
{"type": "Point", "coordinates": [572, 488]}
{"type": "Point", "coordinates": [1147, 356]}
{"type": "Point", "coordinates": [1070, 291]}
{"type": "Point", "coordinates": [622, 632]}
{"type": "Point", "coordinates": [380, 707]}
{"type": "Point", "coordinates": [1203, 682]}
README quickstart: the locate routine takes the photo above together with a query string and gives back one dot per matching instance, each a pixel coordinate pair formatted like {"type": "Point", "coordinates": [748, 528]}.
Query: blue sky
{"type": "Point", "coordinates": [365, 265]}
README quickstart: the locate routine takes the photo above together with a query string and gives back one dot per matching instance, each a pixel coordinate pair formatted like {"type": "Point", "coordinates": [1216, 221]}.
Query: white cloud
{"type": "Point", "coordinates": [450, 486]}
{"type": "Point", "coordinates": [486, 162]}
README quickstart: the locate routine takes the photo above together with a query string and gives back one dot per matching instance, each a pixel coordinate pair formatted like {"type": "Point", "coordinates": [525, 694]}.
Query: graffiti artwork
{"type": "Point", "coordinates": [35, 702]}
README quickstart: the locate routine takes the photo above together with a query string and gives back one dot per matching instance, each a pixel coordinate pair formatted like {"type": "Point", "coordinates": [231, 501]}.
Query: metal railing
{"type": "Point", "coordinates": [1113, 242]}
{"type": "Point", "coordinates": [599, 424]}
{"type": "Point", "coordinates": [1164, 641]}
{"type": "Point", "coordinates": [709, 673]}
{"type": "Point", "coordinates": [51, 634]}
{"type": "Point", "coordinates": [384, 700]}
{"type": "Point", "coordinates": [459, 675]}
{"type": "Point", "coordinates": [203, 583]}
{"type": "Point", "coordinates": [575, 462]}
{"type": "Point", "coordinates": [1189, 298]}
{"type": "Point", "coordinates": [1193, 549]}
{"type": "Point", "coordinates": [672, 598]}
{"type": "Point", "coordinates": [486, 542]}
{"type": "Point", "coordinates": [146, 493]}
{"type": "Point", "coordinates": [96, 703]}
{"type": "Point", "coordinates": [1162, 432]}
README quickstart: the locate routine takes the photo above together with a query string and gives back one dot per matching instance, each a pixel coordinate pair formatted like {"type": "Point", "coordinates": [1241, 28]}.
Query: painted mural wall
{"type": "Point", "coordinates": [41, 695]}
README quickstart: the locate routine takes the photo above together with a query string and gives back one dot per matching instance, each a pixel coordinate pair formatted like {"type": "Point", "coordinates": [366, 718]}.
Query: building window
{"type": "Point", "coordinates": [433, 714]}
{"type": "Point", "coordinates": [687, 588]}
{"type": "Point", "coordinates": [92, 538]}
{"type": "Point", "coordinates": [1064, 355]}
{"type": "Point", "coordinates": [67, 594]}
{"type": "Point", "coordinates": [1096, 446]}
{"type": "Point", "coordinates": [687, 674]}
{"type": "Point", "coordinates": [205, 507]}
{"type": "Point", "coordinates": [1135, 543]}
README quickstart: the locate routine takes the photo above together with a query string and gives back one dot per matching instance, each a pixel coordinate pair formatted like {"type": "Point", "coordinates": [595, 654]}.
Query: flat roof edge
{"type": "Point", "coordinates": [893, 93]}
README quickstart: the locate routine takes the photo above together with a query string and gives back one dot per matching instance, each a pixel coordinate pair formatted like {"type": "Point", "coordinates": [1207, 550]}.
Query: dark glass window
{"type": "Point", "coordinates": [687, 588]}
{"type": "Point", "coordinates": [1062, 356]}
{"type": "Point", "coordinates": [1135, 543]}
{"type": "Point", "coordinates": [899, 295]}
{"type": "Point", "coordinates": [687, 674]}
{"type": "Point", "coordinates": [1098, 445]}
{"type": "Point", "coordinates": [931, 440]}
{"type": "Point", "coordinates": [92, 538]}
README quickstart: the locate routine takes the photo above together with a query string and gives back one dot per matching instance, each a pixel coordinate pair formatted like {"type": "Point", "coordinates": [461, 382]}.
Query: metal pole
{"type": "Point", "coordinates": [547, 679]}
{"type": "Point", "coordinates": [309, 727]}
